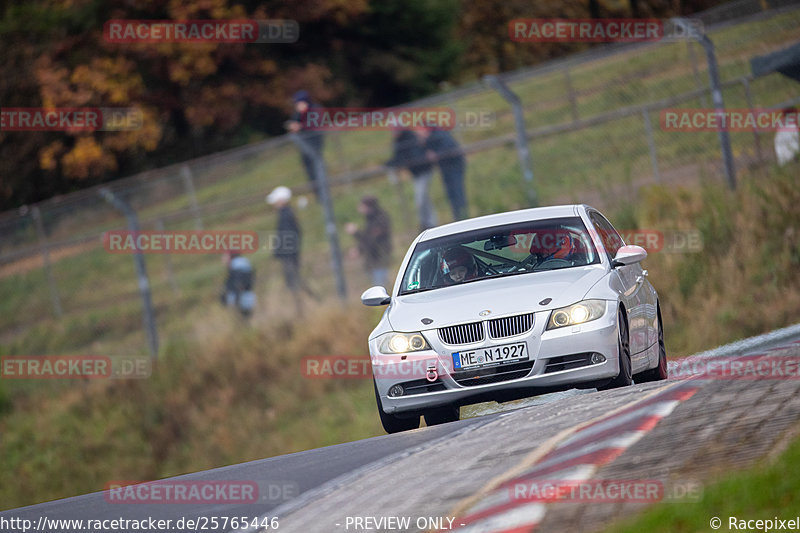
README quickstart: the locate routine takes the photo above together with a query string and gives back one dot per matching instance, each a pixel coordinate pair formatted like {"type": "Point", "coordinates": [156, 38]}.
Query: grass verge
{"type": "Point", "coordinates": [764, 492]}
{"type": "Point", "coordinates": [225, 392]}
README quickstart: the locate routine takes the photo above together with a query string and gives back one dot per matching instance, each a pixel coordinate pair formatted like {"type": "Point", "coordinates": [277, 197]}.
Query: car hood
{"type": "Point", "coordinates": [502, 296]}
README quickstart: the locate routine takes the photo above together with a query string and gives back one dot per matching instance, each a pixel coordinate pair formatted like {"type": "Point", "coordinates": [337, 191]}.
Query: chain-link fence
{"type": "Point", "coordinates": [594, 133]}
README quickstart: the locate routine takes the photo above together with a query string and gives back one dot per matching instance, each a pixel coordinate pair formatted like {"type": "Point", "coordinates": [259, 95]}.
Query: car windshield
{"type": "Point", "coordinates": [509, 250]}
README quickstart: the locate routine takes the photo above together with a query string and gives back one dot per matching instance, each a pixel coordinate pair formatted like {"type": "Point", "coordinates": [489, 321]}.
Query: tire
{"type": "Point", "coordinates": [391, 423]}
{"type": "Point", "coordinates": [442, 415]}
{"type": "Point", "coordinates": [660, 372]}
{"type": "Point", "coordinates": [624, 378]}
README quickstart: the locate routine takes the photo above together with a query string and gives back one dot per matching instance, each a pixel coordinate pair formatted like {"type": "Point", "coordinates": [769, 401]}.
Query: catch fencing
{"type": "Point", "coordinates": [593, 126]}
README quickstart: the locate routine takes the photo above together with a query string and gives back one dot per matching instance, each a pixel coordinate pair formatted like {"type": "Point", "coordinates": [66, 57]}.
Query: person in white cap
{"type": "Point", "coordinates": [787, 140]}
{"type": "Point", "coordinates": [288, 248]}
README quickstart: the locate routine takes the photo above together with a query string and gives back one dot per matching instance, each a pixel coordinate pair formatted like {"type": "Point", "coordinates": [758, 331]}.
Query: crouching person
{"type": "Point", "coordinates": [239, 284]}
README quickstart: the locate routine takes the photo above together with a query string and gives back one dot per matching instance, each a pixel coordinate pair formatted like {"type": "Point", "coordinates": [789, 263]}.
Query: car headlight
{"type": "Point", "coordinates": [578, 313]}
{"type": "Point", "coordinates": [402, 343]}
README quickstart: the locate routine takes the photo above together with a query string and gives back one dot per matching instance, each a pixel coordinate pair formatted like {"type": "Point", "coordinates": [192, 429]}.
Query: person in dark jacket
{"type": "Point", "coordinates": [238, 290]}
{"type": "Point", "coordinates": [444, 148]}
{"type": "Point", "coordinates": [374, 240]}
{"type": "Point", "coordinates": [409, 153]}
{"type": "Point", "coordinates": [287, 249]}
{"type": "Point", "coordinates": [302, 105]}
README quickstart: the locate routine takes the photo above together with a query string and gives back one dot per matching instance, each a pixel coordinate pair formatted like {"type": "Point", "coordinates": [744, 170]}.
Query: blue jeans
{"type": "Point", "coordinates": [422, 199]}
{"type": "Point", "coordinates": [380, 276]}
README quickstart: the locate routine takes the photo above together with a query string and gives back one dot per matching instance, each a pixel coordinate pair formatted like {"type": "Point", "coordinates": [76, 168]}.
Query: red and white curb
{"type": "Point", "coordinates": [576, 459]}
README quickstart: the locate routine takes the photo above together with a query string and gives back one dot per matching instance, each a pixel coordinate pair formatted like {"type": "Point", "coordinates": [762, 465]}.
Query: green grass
{"type": "Point", "coordinates": [765, 491]}
{"type": "Point", "coordinates": [224, 392]}
{"type": "Point", "coordinates": [566, 167]}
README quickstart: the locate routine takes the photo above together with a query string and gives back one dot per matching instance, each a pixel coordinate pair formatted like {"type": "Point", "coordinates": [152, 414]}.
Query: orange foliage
{"type": "Point", "coordinates": [87, 159]}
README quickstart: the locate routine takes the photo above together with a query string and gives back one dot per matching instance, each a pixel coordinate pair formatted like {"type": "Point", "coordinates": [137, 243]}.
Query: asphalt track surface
{"type": "Point", "coordinates": [287, 482]}
{"type": "Point", "coordinates": [288, 475]}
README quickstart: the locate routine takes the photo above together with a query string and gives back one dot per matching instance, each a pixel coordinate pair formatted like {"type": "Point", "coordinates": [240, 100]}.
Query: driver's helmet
{"type": "Point", "coordinates": [565, 244]}
{"type": "Point", "coordinates": [557, 245]}
{"type": "Point", "coordinates": [458, 265]}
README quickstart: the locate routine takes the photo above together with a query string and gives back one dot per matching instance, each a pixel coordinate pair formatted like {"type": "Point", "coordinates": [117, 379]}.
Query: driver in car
{"type": "Point", "coordinates": [458, 265]}
{"type": "Point", "coordinates": [554, 245]}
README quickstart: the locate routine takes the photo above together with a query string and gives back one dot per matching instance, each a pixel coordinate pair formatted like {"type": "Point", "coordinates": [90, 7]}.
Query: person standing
{"type": "Point", "coordinates": [444, 148]}
{"type": "Point", "coordinates": [297, 124]}
{"type": "Point", "coordinates": [287, 249]}
{"type": "Point", "coordinates": [409, 153]}
{"type": "Point", "coordinates": [374, 240]}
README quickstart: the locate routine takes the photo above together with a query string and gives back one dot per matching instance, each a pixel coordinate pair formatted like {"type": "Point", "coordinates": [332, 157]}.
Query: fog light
{"type": "Point", "coordinates": [597, 358]}
{"type": "Point", "coordinates": [396, 390]}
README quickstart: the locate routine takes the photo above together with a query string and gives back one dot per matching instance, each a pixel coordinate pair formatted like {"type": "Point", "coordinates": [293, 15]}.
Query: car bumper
{"type": "Point", "coordinates": [544, 350]}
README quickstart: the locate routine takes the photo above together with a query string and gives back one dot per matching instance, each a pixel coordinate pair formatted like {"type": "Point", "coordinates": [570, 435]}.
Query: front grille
{"type": "Point", "coordinates": [495, 374]}
{"type": "Point", "coordinates": [462, 333]}
{"type": "Point", "coordinates": [500, 328]}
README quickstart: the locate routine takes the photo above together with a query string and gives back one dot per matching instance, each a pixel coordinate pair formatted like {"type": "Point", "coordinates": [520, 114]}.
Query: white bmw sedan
{"type": "Point", "coordinates": [511, 305]}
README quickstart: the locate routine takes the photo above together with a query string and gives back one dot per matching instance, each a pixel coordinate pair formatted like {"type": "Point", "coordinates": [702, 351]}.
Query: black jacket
{"type": "Point", "coordinates": [313, 137]}
{"type": "Point", "coordinates": [375, 240]}
{"type": "Point", "coordinates": [288, 228]}
{"type": "Point", "coordinates": [409, 153]}
{"type": "Point", "coordinates": [446, 148]}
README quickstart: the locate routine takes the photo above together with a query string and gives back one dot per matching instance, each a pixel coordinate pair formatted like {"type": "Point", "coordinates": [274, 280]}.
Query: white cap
{"type": "Point", "coordinates": [279, 194]}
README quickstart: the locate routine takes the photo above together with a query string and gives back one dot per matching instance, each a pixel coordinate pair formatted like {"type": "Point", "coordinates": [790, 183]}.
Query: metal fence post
{"type": "Point", "coordinates": [141, 271]}
{"type": "Point", "coordinates": [523, 151]}
{"type": "Point", "coordinates": [696, 72]}
{"type": "Point", "coordinates": [451, 103]}
{"type": "Point", "coordinates": [716, 98]}
{"type": "Point", "coordinates": [344, 162]}
{"type": "Point", "coordinates": [573, 98]}
{"type": "Point", "coordinates": [168, 261]}
{"type": "Point", "coordinates": [394, 179]}
{"type": "Point", "coordinates": [756, 135]}
{"type": "Point", "coordinates": [44, 247]}
{"type": "Point", "coordinates": [188, 183]}
{"type": "Point", "coordinates": [327, 206]}
{"type": "Point", "coordinates": [651, 143]}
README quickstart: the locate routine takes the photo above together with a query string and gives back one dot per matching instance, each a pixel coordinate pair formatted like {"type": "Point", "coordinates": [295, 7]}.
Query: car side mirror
{"type": "Point", "coordinates": [628, 255]}
{"type": "Point", "coordinates": [375, 296]}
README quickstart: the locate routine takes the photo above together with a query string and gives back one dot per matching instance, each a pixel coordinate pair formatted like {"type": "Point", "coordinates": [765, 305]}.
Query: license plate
{"type": "Point", "coordinates": [490, 356]}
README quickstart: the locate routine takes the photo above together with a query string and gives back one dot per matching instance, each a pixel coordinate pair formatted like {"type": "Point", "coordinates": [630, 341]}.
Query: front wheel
{"type": "Point", "coordinates": [391, 423]}
{"type": "Point", "coordinates": [660, 372]}
{"type": "Point", "coordinates": [624, 378]}
{"type": "Point", "coordinates": [442, 415]}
